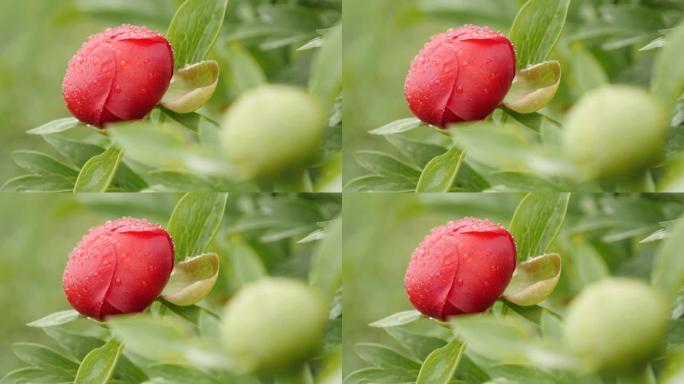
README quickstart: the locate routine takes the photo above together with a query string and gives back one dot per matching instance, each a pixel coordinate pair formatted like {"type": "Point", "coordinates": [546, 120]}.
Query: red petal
{"type": "Point", "coordinates": [145, 261]}
{"type": "Point", "coordinates": [144, 70]}
{"type": "Point", "coordinates": [88, 81]}
{"type": "Point", "coordinates": [89, 272]}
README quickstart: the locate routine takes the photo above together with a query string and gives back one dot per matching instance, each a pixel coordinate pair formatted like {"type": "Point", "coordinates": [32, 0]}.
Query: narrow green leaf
{"type": "Point", "coordinates": [419, 346]}
{"type": "Point", "coordinates": [534, 87]}
{"type": "Point", "coordinates": [439, 174]}
{"type": "Point", "coordinates": [668, 266]}
{"type": "Point", "coordinates": [379, 375]}
{"type": "Point", "coordinates": [420, 153]}
{"type": "Point", "coordinates": [397, 126]}
{"type": "Point", "coordinates": [536, 29]}
{"type": "Point", "coordinates": [57, 318]}
{"type": "Point", "coordinates": [397, 319]}
{"type": "Point", "coordinates": [176, 373]}
{"type": "Point", "coordinates": [441, 364]}
{"type": "Point", "coordinates": [41, 164]}
{"type": "Point", "coordinates": [326, 71]}
{"type": "Point", "coordinates": [537, 221]}
{"type": "Point", "coordinates": [97, 174]}
{"type": "Point", "coordinates": [375, 183]}
{"type": "Point", "coordinates": [244, 264]}
{"type": "Point", "coordinates": [191, 87]}
{"type": "Point", "coordinates": [43, 357]}
{"type": "Point", "coordinates": [36, 183]}
{"type": "Point", "coordinates": [194, 29]}
{"type": "Point", "coordinates": [667, 81]}
{"type": "Point", "coordinates": [383, 164]}
{"type": "Point", "coordinates": [534, 280]}
{"type": "Point", "coordinates": [244, 72]}
{"type": "Point", "coordinates": [76, 152]}
{"type": "Point", "coordinates": [98, 365]}
{"type": "Point", "coordinates": [326, 265]}
{"type": "Point", "coordinates": [194, 222]}
{"type": "Point", "coordinates": [192, 279]}
{"type": "Point", "coordinates": [37, 375]}
{"type": "Point", "coordinates": [383, 357]}
{"type": "Point", "coordinates": [55, 126]}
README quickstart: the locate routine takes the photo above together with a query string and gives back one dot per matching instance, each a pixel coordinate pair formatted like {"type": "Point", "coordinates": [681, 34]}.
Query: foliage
{"type": "Point", "coordinates": [230, 48]}
{"type": "Point", "coordinates": [564, 49]}
{"type": "Point", "coordinates": [592, 236]}
{"type": "Point", "coordinates": [253, 236]}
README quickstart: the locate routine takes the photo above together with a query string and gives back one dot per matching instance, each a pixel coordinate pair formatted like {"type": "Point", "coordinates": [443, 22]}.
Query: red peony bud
{"type": "Point", "coordinates": [462, 267]}
{"type": "Point", "coordinates": [119, 267]}
{"type": "Point", "coordinates": [119, 74]}
{"type": "Point", "coordinates": [460, 75]}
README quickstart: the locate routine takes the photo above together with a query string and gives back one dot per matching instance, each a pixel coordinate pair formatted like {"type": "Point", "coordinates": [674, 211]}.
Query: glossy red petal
{"type": "Point", "coordinates": [144, 70]}
{"type": "Point", "coordinates": [89, 271]}
{"type": "Point", "coordinates": [88, 81]}
{"type": "Point", "coordinates": [145, 262]}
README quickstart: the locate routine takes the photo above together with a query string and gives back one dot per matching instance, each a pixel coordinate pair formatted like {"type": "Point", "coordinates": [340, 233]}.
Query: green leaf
{"type": "Point", "coordinates": [534, 87]}
{"type": "Point", "coordinates": [667, 81]}
{"type": "Point", "coordinates": [508, 147]}
{"type": "Point", "coordinates": [668, 266]}
{"type": "Point", "coordinates": [418, 152]}
{"type": "Point", "coordinates": [192, 279]}
{"type": "Point", "coordinates": [383, 357]}
{"type": "Point", "coordinates": [97, 174]}
{"type": "Point", "coordinates": [375, 183]}
{"type": "Point", "coordinates": [41, 164]}
{"type": "Point", "coordinates": [419, 346]}
{"type": "Point", "coordinates": [397, 126]}
{"type": "Point", "coordinates": [379, 375]}
{"type": "Point", "coordinates": [191, 87]}
{"type": "Point", "coordinates": [41, 356]}
{"type": "Point", "coordinates": [440, 365]}
{"type": "Point", "coordinates": [326, 265]}
{"type": "Point", "coordinates": [56, 318]}
{"type": "Point", "coordinates": [587, 71]}
{"type": "Point", "coordinates": [587, 263]}
{"type": "Point", "coordinates": [166, 146]}
{"type": "Point", "coordinates": [76, 152]}
{"type": "Point", "coordinates": [522, 181]}
{"type": "Point", "coordinates": [397, 319]}
{"type": "Point", "coordinates": [383, 164]}
{"type": "Point", "coordinates": [194, 29]}
{"type": "Point", "coordinates": [439, 174]}
{"type": "Point", "coordinates": [194, 222]}
{"type": "Point", "coordinates": [181, 181]}
{"type": "Point", "coordinates": [98, 365]}
{"type": "Point", "coordinates": [244, 72]}
{"type": "Point", "coordinates": [534, 280]}
{"type": "Point", "coordinates": [176, 373]}
{"type": "Point", "coordinates": [536, 29]}
{"type": "Point", "coordinates": [36, 183]}
{"type": "Point", "coordinates": [244, 265]}
{"type": "Point", "coordinates": [537, 221]}
{"type": "Point", "coordinates": [55, 126]}
{"type": "Point", "coordinates": [509, 340]}
{"type": "Point", "coordinates": [37, 375]}
{"type": "Point", "coordinates": [325, 82]}
{"type": "Point", "coordinates": [526, 374]}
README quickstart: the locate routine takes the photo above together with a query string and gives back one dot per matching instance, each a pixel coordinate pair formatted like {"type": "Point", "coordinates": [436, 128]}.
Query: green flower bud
{"type": "Point", "coordinates": [616, 324]}
{"type": "Point", "coordinates": [615, 132]}
{"type": "Point", "coordinates": [273, 324]}
{"type": "Point", "coordinates": [273, 129]}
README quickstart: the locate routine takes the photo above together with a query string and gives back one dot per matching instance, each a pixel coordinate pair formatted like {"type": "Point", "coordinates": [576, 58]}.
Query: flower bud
{"type": "Point", "coordinates": [615, 132]}
{"type": "Point", "coordinates": [460, 75]}
{"type": "Point", "coordinates": [616, 323]}
{"type": "Point", "coordinates": [273, 324]}
{"type": "Point", "coordinates": [119, 267]}
{"type": "Point", "coordinates": [272, 129]}
{"type": "Point", "coordinates": [462, 267]}
{"type": "Point", "coordinates": [118, 75]}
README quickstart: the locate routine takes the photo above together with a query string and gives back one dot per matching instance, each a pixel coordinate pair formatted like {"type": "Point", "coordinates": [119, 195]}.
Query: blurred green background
{"type": "Point", "coordinates": [602, 235]}
{"type": "Point", "coordinates": [37, 232]}
{"type": "Point", "coordinates": [604, 41]}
